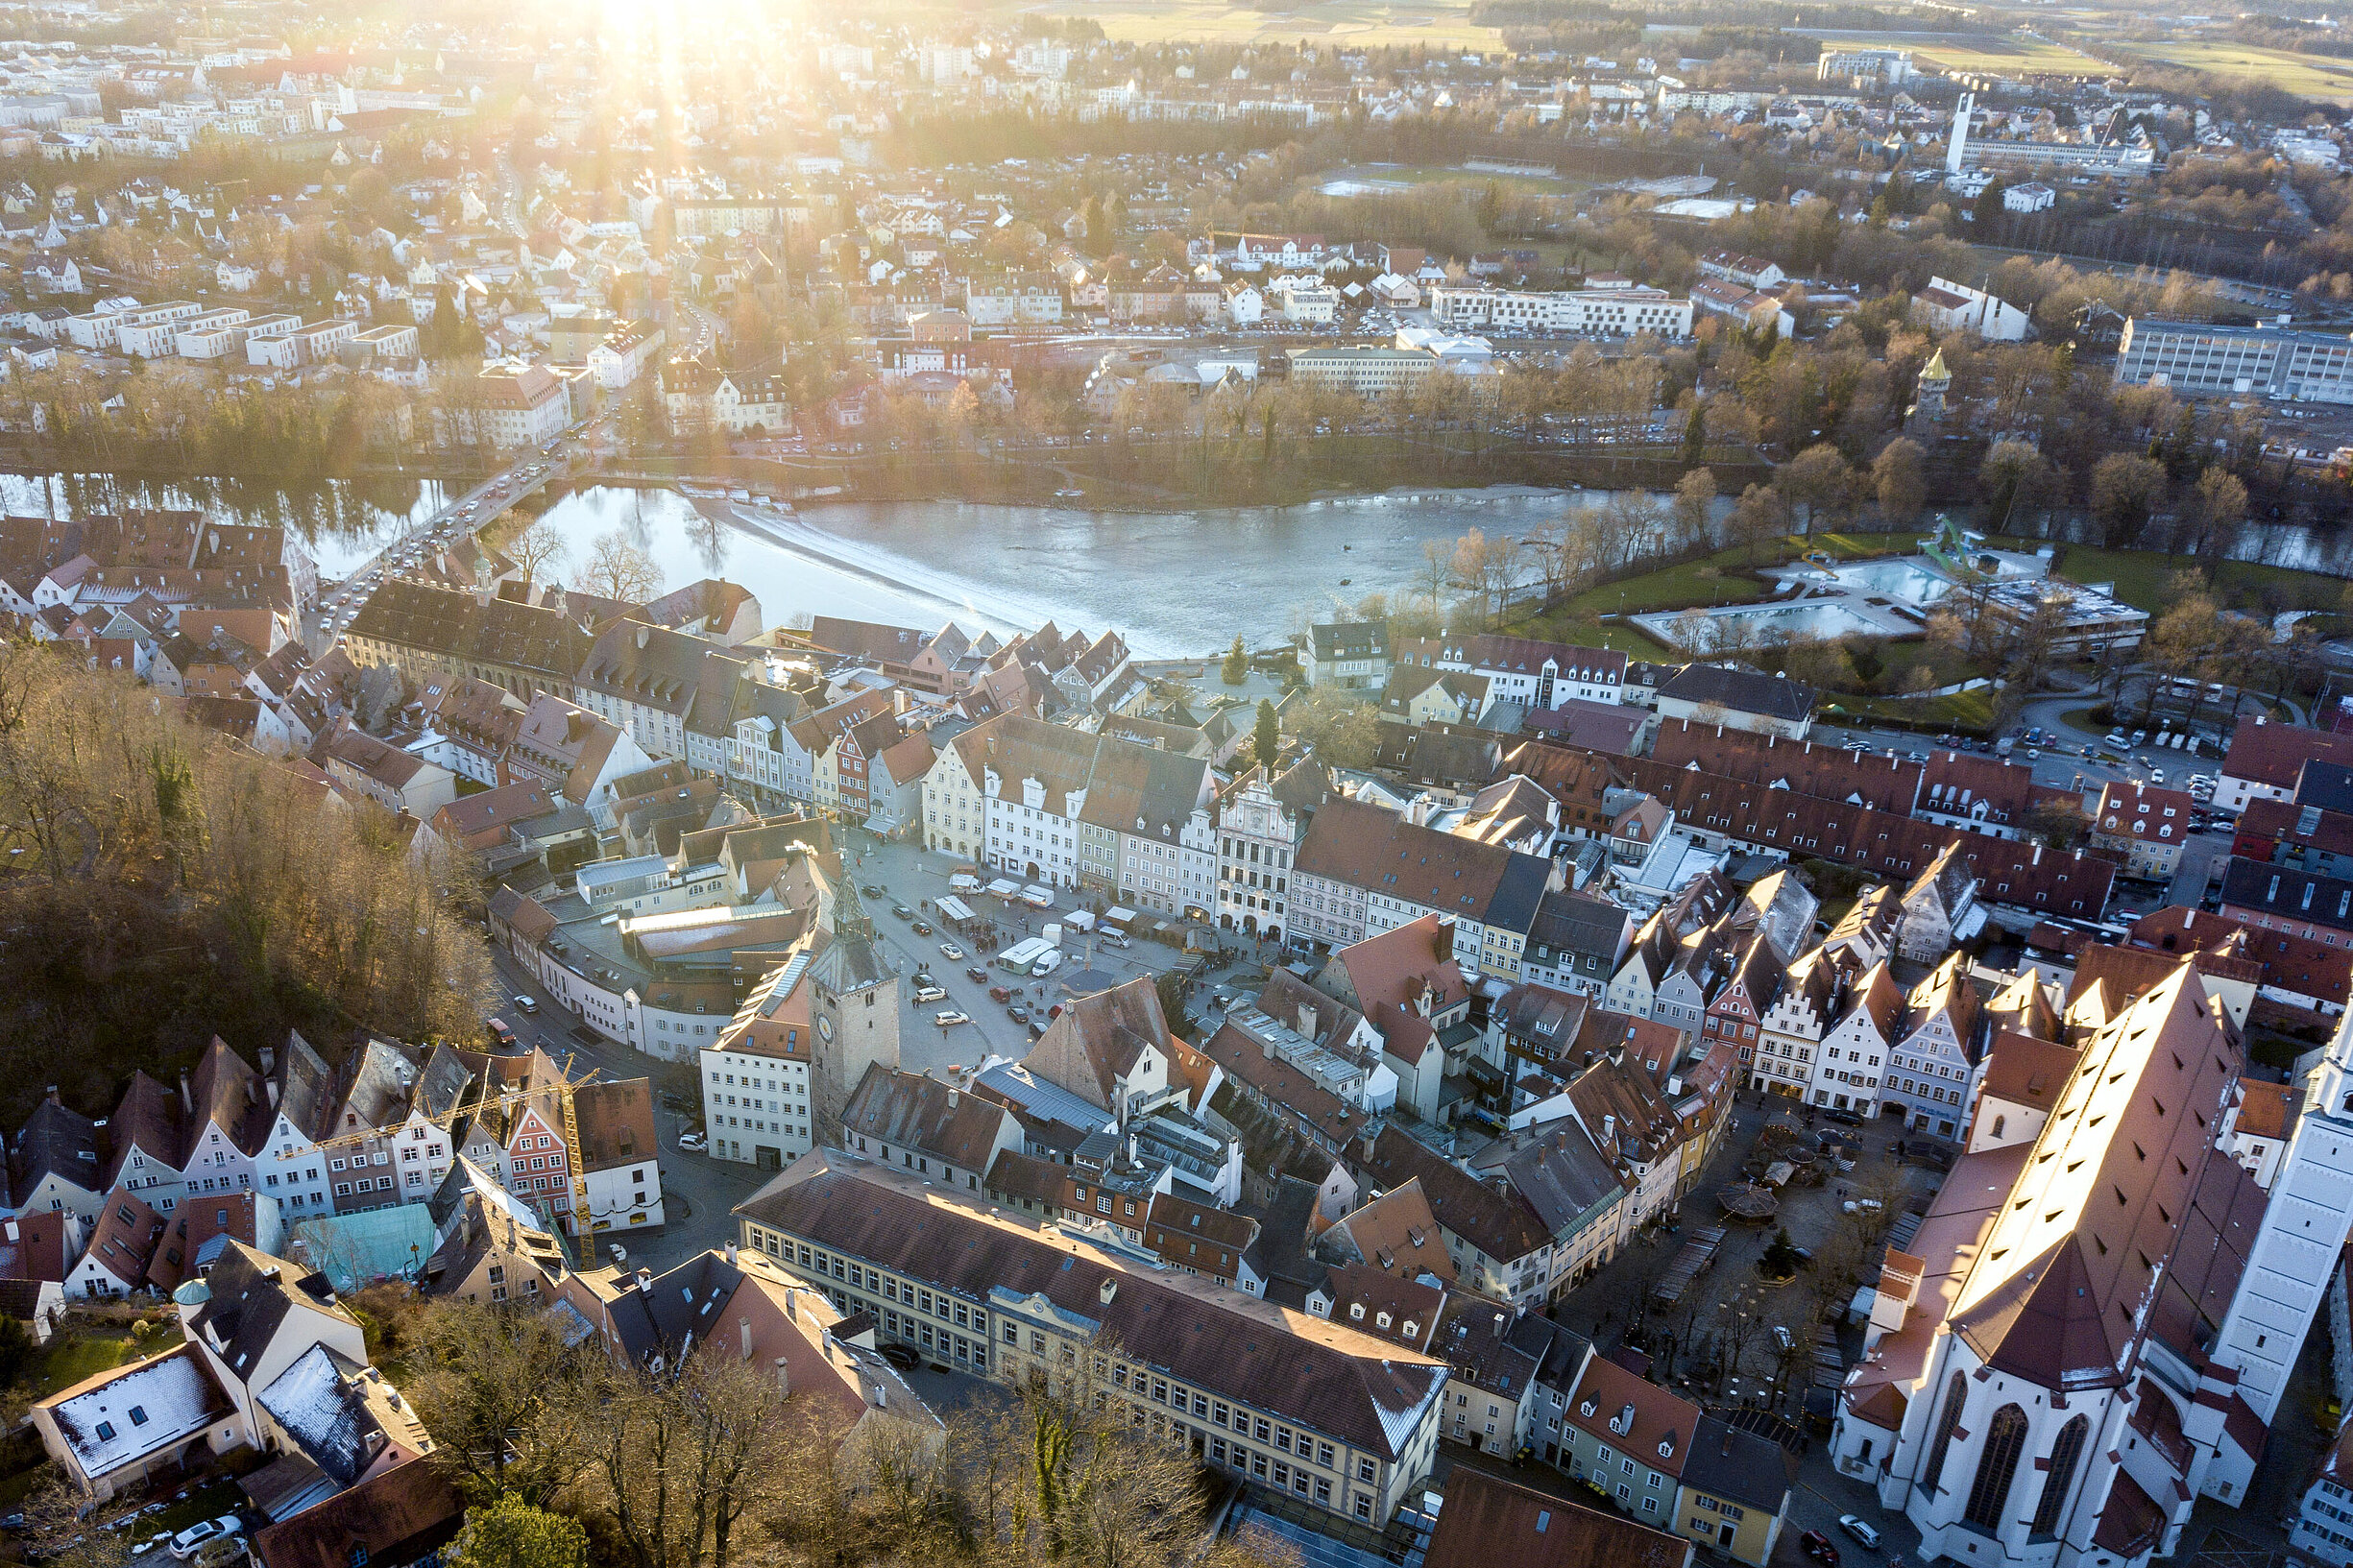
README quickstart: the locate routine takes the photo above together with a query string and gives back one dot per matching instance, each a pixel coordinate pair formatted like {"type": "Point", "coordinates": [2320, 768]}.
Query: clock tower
{"type": "Point", "coordinates": [854, 1005]}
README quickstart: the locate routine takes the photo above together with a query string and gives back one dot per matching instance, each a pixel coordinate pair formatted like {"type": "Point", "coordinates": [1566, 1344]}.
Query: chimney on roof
{"type": "Point", "coordinates": [731, 1254]}
{"type": "Point", "coordinates": [784, 1378]}
{"type": "Point", "coordinates": [743, 1326]}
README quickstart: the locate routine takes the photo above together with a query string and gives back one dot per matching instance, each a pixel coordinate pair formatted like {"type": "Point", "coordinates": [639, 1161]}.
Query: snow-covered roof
{"type": "Point", "coordinates": [326, 1420]}
{"type": "Point", "coordinates": [120, 1417]}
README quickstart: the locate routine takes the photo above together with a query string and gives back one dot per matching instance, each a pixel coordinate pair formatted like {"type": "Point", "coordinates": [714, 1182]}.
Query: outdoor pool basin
{"type": "Point", "coordinates": [1907, 581]}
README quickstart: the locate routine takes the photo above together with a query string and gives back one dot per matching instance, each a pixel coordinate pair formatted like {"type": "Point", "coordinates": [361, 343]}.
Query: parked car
{"type": "Point", "coordinates": [500, 1035]}
{"type": "Point", "coordinates": [951, 1018]}
{"type": "Point", "coordinates": [694, 1143]}
{"type": "Point", "coordinates": [1000, 993]}
{"type": "Point", "coordinates": [1859, 1529]}
{"type": "Point", "coordinates": [952, 952]}
{"type": "Point", "coordinates": [1015, 1011]}
{"type": "Point", "coordinates": [185, 1543]}
{"type": "Point", "coordinates": [617, 1252]}
{"type": "Point", "coordinates": [922, 928]}
{"type": "Point", "coordinates": [905, 1358]}
{"type": "Point", "coordinates": [931, 993]}
{"type": "Point", "coordinates": [1817, 1546]}
{"type": "Point", "coordinates": [977, 975]}
{"type": "Point", "coordinates": [903, 911]}
{"type": "Point", "coordinates": [524, 1005]}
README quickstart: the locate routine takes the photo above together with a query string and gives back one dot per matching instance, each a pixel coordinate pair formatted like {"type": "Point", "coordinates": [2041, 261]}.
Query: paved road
{"type": "Point", "coordinates": [450, 523]}
{"type": "Point", "coordinates": [697, 1193]}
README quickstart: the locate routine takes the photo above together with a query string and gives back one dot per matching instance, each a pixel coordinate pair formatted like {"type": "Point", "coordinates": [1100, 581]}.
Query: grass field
{"type": "Point", "coordinates": [2308, 76]}
{"type": "Point", "coordinates": [1959, 711]}
{"type": "Point", "coordinates": [1994, 54]}
{"type": "Point", "coordinates": [1360, 22]}
{"type": "Point", "coordinates": [1399, 177]}
{"type": "Point", "coordinates": [2141, 577]}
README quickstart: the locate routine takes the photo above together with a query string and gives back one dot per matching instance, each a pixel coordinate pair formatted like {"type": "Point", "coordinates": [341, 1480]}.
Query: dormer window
{"type": "Point", "coordinates": [1356, 1311]}
{"type": "Point", "coordinates": [1666, 1448]}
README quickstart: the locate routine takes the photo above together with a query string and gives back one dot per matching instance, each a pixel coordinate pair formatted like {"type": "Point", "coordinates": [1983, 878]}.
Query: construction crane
{"type": "Point", "coordinates": [576, 1172]}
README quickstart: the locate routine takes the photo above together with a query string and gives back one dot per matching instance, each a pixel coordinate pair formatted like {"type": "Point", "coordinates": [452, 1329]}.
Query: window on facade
{"type": "Point", "coordinates": [1956, 1395]}
{"type": "Point", "coordinates": [2064, 1455]}
{"type": "Point", "coordinates": [2005, 1438]}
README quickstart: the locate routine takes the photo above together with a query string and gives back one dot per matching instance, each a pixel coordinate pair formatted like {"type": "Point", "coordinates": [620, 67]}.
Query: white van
{"type": "Point", "coordinates": [963, 882]}
{"type": "Point", "coordinates": [1048, 962]}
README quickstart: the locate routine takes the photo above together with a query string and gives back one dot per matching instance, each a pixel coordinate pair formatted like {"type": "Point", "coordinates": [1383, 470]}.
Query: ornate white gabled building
{"type": "Point", "coordinates": [2047, 1377]}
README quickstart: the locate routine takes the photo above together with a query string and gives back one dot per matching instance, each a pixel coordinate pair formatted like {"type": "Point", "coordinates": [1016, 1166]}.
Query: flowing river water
{"type": "Point", "coordinates": [1175, 584]}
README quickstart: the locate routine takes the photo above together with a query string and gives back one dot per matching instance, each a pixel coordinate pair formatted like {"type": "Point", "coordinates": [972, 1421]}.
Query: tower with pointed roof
{"type": "Point", "coordinates": [853, 1005]}
{"type": "Point", "coordinates": [1935, 381]}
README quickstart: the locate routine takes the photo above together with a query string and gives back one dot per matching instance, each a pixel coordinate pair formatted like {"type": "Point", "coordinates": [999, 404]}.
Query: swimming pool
{"type": "Point", "coordinates": [1819, 619]}
{"type": "Point", "coordinates": [1902, 580]}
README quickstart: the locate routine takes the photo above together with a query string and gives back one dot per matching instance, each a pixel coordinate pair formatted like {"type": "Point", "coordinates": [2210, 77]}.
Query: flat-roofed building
{"type": "Point", "coordinates": [2199, 359]}
{"type": "Point", "coordinates": [1362, 369]}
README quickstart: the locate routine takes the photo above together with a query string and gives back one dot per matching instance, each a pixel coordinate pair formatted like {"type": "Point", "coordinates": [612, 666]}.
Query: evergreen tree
{"type": "Point", "coordinates": [511, 1533]}
{"type": "Point", "coordinates": [1695, 436]}
{"type": "Point", "coordinates": [1267, 738]}
{"type": "Point", "coordinates": [1237, 667]}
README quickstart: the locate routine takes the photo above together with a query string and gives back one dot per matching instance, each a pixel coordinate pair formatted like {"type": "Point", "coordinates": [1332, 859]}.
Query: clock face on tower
{"type": "Point", "coordinates": [825, 1027]}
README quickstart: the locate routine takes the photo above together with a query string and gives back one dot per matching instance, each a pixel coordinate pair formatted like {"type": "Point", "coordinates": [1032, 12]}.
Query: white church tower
{"type": "Point", "coordinates": [1959, 143]}
{"type": "Point", "coordinates": [2303, 1231]}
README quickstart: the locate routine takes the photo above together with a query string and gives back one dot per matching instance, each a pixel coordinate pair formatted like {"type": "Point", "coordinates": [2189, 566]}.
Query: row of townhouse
{"type": "Point", "coordinates": [297, 1140]}
{"type": "Point", "coordinates": [1361, 869]}
{"type": "Point", "coordinates": [1778, 797]}
{"type": "Point", "coordinates": [669, 693]}
{"type": "Point", "coordinates": [1067, 809]}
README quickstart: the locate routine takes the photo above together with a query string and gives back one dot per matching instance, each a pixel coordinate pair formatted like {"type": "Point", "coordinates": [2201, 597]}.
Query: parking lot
{"type": "Point", "coordinates": [916, 878]}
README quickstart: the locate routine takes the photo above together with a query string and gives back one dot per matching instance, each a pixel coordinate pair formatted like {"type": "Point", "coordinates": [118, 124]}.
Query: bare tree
{"type": "Point", "coordinates": [60, 1531]}
{"type": "Point", "coordinates": [618, 569]}
{"type": "Point", "coordinates": [1897, 481]}
{"type": "Point", "coordinates": [681, 1457]}
{"type": "Point", "coordinates": [502, 1392]}
{"type": "Point", "coordinates": [537, 549]}
{"type": "Point", "coordinates": [1486, 569]}
{"type": "Point", "coordinates": [1694, 506]}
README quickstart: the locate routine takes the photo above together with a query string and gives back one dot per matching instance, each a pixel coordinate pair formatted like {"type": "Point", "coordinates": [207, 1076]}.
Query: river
{"type": "Point", "coordinates": [1175, 584]}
